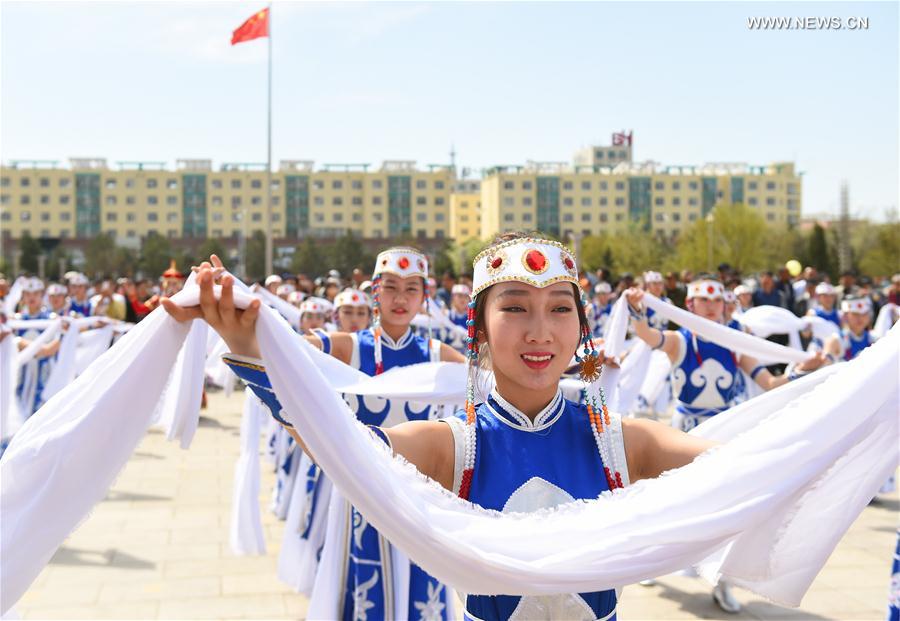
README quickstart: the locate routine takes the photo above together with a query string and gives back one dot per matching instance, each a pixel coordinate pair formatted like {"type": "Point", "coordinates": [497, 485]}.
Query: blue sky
{"type": "Point", "coordinates": [504, 82]}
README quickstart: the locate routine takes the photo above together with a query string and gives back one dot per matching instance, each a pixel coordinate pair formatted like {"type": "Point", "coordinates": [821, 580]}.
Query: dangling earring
{"type": "Point", "coordinates": [589, 366]}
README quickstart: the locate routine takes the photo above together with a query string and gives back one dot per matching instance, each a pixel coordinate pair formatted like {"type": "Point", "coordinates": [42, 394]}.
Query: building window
{"type": "Point", "coordinates": [110, 184]}
{"type": "Point", "coordinates": [692, 217]}
{"type": "Point", "coordinates": [112, 216]}
{"type": "Point", "coordinates": [256, 184]}
{"type": "Point", "coordinates": [526, 185]}
{"type": "Point", "coordinates": [421, 217]}
{"type": "Point", "coordinates": [770, 217]}
{"type": "Point", "coordinates": [172, 216]}
{"type": "Point", "coordinates": [438, 185]}
{"type": "Point", "coordinates": [356, 184]}
{"type": "Point", "coordinates": [45, 200]}
{"type": "Point", "coordinates": [526, 201]}
{"type": "Point", "coordinates": [45, 216]}
{"type": "Point", "coordinates": [65, 182]}
{"type": "Point", "coordinates": [376, 184]}
{"type": "Point", "coordinates": [235, 201]}
{"type": "Point", "coordinates": [256, 217]}
{"type": "Point", "coordinates": [659, 200]}
{"type": "Point", "coordinates": [603, 217]}
{"type": "Point", "coordinates": [611, 155]}
{"type": "Point", "coordinates": [25, 182]}
{"type": "Point", "coordinates": [357, 217]}
{"type": "Point", "coordinates": [676, 185]}
{"type": "Point", "coordinates": [256, 200]}
{"type": "Point", "coordinates": [319, 217]}
{"type": "Point", "coordinates": [110, 200]}
{"type": "Point", "coordinates": [603, 201]}
{"type": "Point", "coordinates": [65, 216]}
{"type": "Point", "coordinates": [25, 216]}
{"type": "Point", "coordinates": [676, 217]}
{"type": "Point", "coordinates": [439, 200]}
{"type": "Point", "coordinates": [356, 200]}
{"type": "Point", "coordinates": [770, 201]}
{"type": "Point", "coordinates": [131, 216]}
{"type": "Point", "coordinates": [620, 217]}
{"type": "Point", "coordinates": [659, 185]}
{"type": "Point", "coordinates": [770, 185]}
{"type": "Point", "coordinates": [604, 185]}
{"type": "Point", "coordinates": [508, 201]}
{"type": "Point", "coordinates": [337, 184]}
{"type": "Point", "coordinates": [420, 200]}
{"type": "Point", "coordinates": [217, 217]}
{"type": "Point", "coordinates": [5, 199]}
{"type": "Point", "coordinates": [620, 185]}
{"type": "Point", "coordinates": [438, 217]}
{"type": "Point", "coordinates": [567, 201]}
{"type": "Point", "coordinates": [692, 202]}
{"type": "Point", "coordinates": [217, 232]}
{"type": "Point", "coordinates": [217, 184]}
{"type": "Point", "coordinates": [526, 217]}
{"type": "Point", "coordinates": [131, 233]}
{"type": "Point", "coordinates": [420, 184]}
{"type": "Point", "coordinates": [337, 217]}
{"type": "Point", "coordinates": [376, 200]}
{"type": "Point", "coordinates": [236, 217]}
{"type": "Point", "coordinates": [6, 216]}
{"type": "Point", "coordinates": [24, 199]}
{"type": "Point", "coordinates": [275, 184]}
{"type": "Point", "coordinates": [276, 217]}
{"type": "Point", "coordinates": [659, 217]}
{"type": "Point", "coordinates": [152, 216]}
{"type": "Point", "coordinates": [693, 185]}
{"type": "Point", "coordinates": [585, 185]}
{"type": "Point", "coordinates": [171, 200]}
{"type": "Point", "coordinates": [235, 184]}
{"type": "Point", "coordinates": [751, 185]}
{"type": "Point", "coordinates": [5, 181]}
{"type": "Point", "coordinates": [152, 200]}
{"type": "Point", "coordinates": [509, 185]}
{"type": "Point", "coordinates": [620, 202]}
{"type": "Point", "coordinates": [421, 233]}
{"type": "Point", "coordinates": [567, 217]}
{"type": "Point", "coordinates": [507, 217]}
{"type": "Point", "coordinates": [337, 200]}
{"type": "Point", "coordinates": [585, 217]}
{"type": "Point", "coordinates": [464, 218]}
{"type": "Point", "coordinates": [217, 200]}
{"type": "Point", "coordinates": [151, 183]}
{"type": "Point", "coordinates": [276, 200]}
{"type": "Point", "coordinates": [585, 201]}
{"type": "Point", "coordinates": [676, 201]}
{"type": "Point", "coordinates": [377, 217]}
{"type": "Point", "coordinates": [567, 185]}
{"type": "Point", "coordinates": [129, 200]}
{"type": "Point", "coordinates": [64, 199]}
{"type": "Point", "coordinates": [172, 184]}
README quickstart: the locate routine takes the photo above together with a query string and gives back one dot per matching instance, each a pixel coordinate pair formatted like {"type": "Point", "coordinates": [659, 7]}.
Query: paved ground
{"type": "Point", "coordinates": [157, 547]}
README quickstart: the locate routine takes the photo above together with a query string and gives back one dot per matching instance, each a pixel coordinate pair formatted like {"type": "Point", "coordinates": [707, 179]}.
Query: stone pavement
{"type": "Point", "coordinates": [157, 547]}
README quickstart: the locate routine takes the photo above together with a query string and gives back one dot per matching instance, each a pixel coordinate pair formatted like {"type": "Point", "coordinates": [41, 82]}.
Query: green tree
{"type": "Point", "coordinates": [633, 250]}
{"type": "Point", "coordinates": [156, 254]}
{"type": "Point", "coordinates": [462, 254]}
{"type": "Point", "coordinates": [308, 258]}
{"type": "Point", "coordinates": [100, 256]}
{"type": "Point", "coordinates": [817, 251]}
{"type": "Point", "coordinates": [879, 254]}
{"type": "Point", "coordinates": [738, 238]}
{"type": "Point", "coordinates": [30, 250]}
{"type": "Point", "coordinates": [345, 254]}
{"type": "Point", "coordinates": [54, 259]}
{"type": "Point", "coordinates": [210, 246]}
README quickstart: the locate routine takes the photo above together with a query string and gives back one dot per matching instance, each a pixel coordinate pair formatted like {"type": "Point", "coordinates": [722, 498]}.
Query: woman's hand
{"type": "Point", "coordinates": [635, 298]}
{"type": "Point", "coordinates": [237, 327]}
{"type": "Point", "coordinates": [813, 363]}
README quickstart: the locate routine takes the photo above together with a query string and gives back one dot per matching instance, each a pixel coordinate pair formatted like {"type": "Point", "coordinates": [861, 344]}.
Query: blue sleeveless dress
{"type": "Point", "coordinates": [34, 375]}
{"type": "Point", "coordinates": [704, 380]}
{"type": "Point", "coordinates": [523, 466]}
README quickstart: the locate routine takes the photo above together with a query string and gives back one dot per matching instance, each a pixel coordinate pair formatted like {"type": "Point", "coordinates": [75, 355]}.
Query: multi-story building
{"type": "Point", "coordinates": [589, 199]}
{"type": "Point", "coordinates": [193, 201]}
{"type": "Point", "coordinates": [465, 210]}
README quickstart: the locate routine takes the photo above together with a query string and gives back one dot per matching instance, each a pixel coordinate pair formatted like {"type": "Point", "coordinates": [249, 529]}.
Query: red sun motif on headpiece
{"type": "Point", "coordinates": [403, 262]}
{"type": "Point", "coordinates": [710, 288]}
{"type": "Point", "coordinates": [355, 298]}
{"type": "Point", "coordinates": [535, 261]}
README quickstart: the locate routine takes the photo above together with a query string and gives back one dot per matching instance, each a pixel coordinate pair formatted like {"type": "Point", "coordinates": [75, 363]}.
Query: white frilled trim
{"type": "Point", "coordinates": [617, 444]}
{"type": "Point", "coordinates": [354, 350]}
{"type": "Point", "coordinates": [458, 427]}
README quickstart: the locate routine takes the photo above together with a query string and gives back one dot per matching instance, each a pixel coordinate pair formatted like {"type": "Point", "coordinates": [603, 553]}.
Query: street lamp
{"type": "Point", "coordinates": [710, 219]}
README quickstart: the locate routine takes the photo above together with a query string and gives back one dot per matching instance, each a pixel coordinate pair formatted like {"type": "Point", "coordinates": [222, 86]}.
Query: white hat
{"type": "Point", "coordinates": [315, 305]}
{"type": "Point", "coordinates": [602, 287]}
{"type": "Point", "coordinates": [32, 284]}
{"type": "Point", "coordinates": [536, 262]}
{"type": "Point", "coordinates": [706, 288]}
{"type": "Point", "coordinates": [56, 289]}
{"type": "Point", "coordinates": [461, 290]}
{"type": "Point", "coordinates": [652, 277]}
{"type": "Point", "coordinates": [295, 297]}
{"type": "Point", "coordinates": [729, 296]}
{"type": "Point", "coordinates": [742, 289]}
{"type": "Point", "coordinates": [285, 289]}
{"type": "Point", "coordinates": [857, 305]}
{"type": "Point", "coordinates": [77, 278]}
{"type": "Point", "coordinates": [403, 262]}
{"type": "Point", "coordinates": [351, 297]}
{"type": "Point", "coordinates": [274, 278]}
{"type": "Point", "coordinates": [824, 288]}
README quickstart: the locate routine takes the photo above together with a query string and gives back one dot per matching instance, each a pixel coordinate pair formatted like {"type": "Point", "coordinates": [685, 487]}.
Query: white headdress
{"type": "Point", "coordinates": [857, 305]}
{"type": "Point", "coordinates": [706, 288]}
{"type": "Point", "coordinates": [352, 297]}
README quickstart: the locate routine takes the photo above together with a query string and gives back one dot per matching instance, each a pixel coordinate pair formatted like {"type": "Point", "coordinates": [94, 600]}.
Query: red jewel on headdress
{"type": "Point", "coordinates": [710, 289]}
{"type": "Point", "coordinates": [421, 265]}
{"type": "Point", "coordinates": [355, 298]}
{"type": "Point", "coordinates": [570, 264]}
{"type": "Point", "coordinates": [403, 262]}
{"type": "Point", "coordinates": [535, 260]}
{"type": "Point", "coordinates": [384, 261]}
{"type": "Point", "coordinates": [497, 262]}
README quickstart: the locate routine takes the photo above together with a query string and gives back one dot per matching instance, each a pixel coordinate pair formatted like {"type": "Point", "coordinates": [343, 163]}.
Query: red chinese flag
{"type": "Point", "coordinates": [255, 27]}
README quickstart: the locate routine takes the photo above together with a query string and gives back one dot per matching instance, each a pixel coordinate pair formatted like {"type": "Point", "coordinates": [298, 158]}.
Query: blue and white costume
{"type": "Point", "coordinates": [656, 320]}
{"type": "Point", "coordinates": [599, 317]}
{"type": "Point", "coordinates": [853, 344]}
{"type": "Point", "coordinates": [833, 316]}
{"type": "Point", "coordinates": [79, 309]}
{"type": "Point", "coordinates": [33, 376]}
{"type": "Point", "coordinates": [523, 466]}
{"type": "Point", "coordinates": [894, 589]}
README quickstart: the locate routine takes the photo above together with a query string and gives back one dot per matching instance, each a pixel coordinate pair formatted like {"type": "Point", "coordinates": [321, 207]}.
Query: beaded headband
{"type": "Point", "coordinates": [857, 305]}
{"type": "Point", "coordinates": [711, 289]}
{"type": "Point", "coordinates": [533, 261]}
{"type": "Point", "coordinates": [351, 297]}
{"type": "Point", "coordinates": [32, 285]}
{"type": "Point", "coordinates": [56, 289]}
{"type": "Point", "coordinates": [78, 279]}
{"type": "Point", "coordinates": [461, 290]}
{"type": "Point", "coordinates": [824, 288]}
{"type": "Point", "coordinates": [315, 305]}
{"type": "Point", "coordinates": [652, 277]}
{"type": "Point", "coordinates": [403, 262]}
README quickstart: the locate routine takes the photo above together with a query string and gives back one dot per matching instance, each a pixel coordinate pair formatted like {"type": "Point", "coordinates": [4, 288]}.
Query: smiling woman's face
{"type": "Point", "coordinates": [532, 334]}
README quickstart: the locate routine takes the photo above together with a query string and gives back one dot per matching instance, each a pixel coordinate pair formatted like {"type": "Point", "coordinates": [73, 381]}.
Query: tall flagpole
{"type": "Point", "coordinates": [269, 159]}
